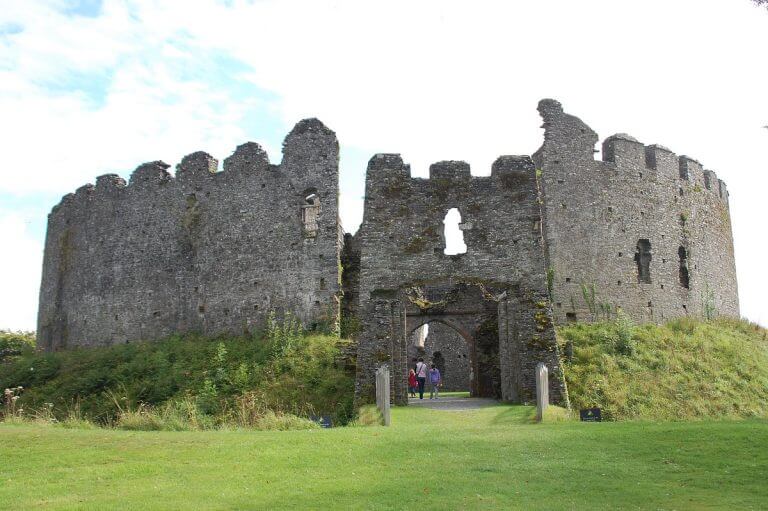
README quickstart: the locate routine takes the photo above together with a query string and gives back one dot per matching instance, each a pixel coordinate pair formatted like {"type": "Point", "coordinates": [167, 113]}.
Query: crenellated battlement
{"type": "Point", "coordinates": [310, 142]}
{"type": "Point", "coordinates": [385, 167]}
{"type": "Point", "coordinates": [629, 154]}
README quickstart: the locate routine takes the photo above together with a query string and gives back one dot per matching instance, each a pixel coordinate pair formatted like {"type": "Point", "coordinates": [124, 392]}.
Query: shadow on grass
{"type": "Point", "coordinates": [513, 414]}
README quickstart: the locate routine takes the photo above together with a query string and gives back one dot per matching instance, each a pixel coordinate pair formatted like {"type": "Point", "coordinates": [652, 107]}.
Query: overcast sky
{"type": "Point", "coordinates": [89, 87]}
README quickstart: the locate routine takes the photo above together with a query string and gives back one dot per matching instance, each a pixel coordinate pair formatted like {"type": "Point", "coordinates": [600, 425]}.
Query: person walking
{"type": "Point", "coordinates": [421, 376]}
{"type": "Point", "coordinates": [434, 382]}
{"type": "Point", "coordinates": [412, 383]}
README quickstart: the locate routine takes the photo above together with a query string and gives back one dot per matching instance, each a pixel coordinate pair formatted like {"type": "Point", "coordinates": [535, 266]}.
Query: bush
{"type": "Point", "coordinates": [189, 382]}
{"type": "Point", "coordinates": [15, 344]}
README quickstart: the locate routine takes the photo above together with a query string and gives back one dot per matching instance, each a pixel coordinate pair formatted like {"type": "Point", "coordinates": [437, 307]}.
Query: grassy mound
{"type": "Point", "coordinates": [685, 369]}
{"type": "Point", "coordinates": [188, 382]}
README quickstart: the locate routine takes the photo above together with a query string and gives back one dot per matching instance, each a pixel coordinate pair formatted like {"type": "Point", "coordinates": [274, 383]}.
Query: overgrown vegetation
{"type": "Point", "coordinates": [685, 369]}
{"type": "Point", "coordinates": [15, 344]}
{"type": "Point", "coordinates": [273, 381]}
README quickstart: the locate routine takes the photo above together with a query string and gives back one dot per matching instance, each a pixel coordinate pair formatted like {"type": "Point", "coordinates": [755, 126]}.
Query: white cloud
{"type": "Point", "coordinates": [20, 261]}
{"type": "Point", "coordinates": [432, 80]}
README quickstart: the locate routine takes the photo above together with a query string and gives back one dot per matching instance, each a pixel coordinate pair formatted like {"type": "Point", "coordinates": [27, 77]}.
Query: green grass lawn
{"type": "Point", "coordinates": [492, 458]}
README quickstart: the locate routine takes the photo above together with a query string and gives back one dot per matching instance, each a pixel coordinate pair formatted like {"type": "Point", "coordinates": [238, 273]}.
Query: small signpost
{"type": "Point", "coordinates": [382, 392]}
{"type": "Point", "coordinates": [323, 420]}
{"type": "Point", "coordinates": [590, 415]}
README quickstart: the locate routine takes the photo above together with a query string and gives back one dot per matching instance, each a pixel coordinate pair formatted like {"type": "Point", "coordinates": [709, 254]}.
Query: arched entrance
{"type": "Point", "coordinates": [448, 349]}
{"type": "Point", "coordinates": [471, 314]}
{"type": "Point", "coordinates": [509, 329]}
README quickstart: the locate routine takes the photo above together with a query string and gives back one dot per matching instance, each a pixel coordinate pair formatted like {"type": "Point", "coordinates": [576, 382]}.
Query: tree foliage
{"type": "Point", "coordinates": [15, 344]}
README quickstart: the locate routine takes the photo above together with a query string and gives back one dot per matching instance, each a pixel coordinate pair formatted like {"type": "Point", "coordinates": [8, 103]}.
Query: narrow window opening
{"type": "Point", "coordinates": [684, 276]}
{"type": "Point", "coordinates": [322, 283]}
{"type": "Point", "coordinates": [643, 260]}
{"type": "Point", "coordinates": [570, 317]}
{"type": "Point", "coordinates": [454, 237]}
{"type": "Point", "coordinates": [310, 210]}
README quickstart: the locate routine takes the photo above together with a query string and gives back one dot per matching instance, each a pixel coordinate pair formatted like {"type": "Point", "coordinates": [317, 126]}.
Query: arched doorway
{"type": "Point", "coordinates": [457, 311]}
{"type": "Point", "coordinates": [451, 353]}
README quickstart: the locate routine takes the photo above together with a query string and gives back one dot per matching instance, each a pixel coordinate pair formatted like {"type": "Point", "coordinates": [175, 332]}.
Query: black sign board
{"type": "Point", "coordinates": [590, 415]}
{"type": "Point", "coordinates": [324, 421]}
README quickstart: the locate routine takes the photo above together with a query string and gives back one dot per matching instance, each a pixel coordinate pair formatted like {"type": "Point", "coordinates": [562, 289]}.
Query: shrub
{"type": "Point", "coordinates": [15, 344]}
{"type": "Point", "coordinates": [199, 379]}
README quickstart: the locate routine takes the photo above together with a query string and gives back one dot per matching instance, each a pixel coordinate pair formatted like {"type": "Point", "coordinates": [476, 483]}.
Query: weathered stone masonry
{"type": "Point", "coordinates": [598, 215]}
{"type": "Point", "coordinates": [206, 251]}
{"type": "Point", "coordinates": [497, 289]}
{"type": "Point", "coordinates": [215, 252]}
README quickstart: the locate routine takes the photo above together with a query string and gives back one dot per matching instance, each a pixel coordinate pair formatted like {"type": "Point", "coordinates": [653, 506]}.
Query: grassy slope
{"type": "Point", "coordinates": [483, 459]}
{"type": "Point", "coordinates": [682, 370]}
{"type": "Point", "coordinates": [302, 373]}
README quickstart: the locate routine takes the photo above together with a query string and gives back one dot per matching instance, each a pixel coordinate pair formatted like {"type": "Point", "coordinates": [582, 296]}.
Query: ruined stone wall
{"type": "Point", "coordinates": [204, 251]}
{"type": "Point", "coordinates": [596, 212]}
{"type": "Point", "coordinates": [401, 245]}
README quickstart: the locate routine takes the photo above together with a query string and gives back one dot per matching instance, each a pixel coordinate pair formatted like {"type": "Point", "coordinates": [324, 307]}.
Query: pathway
{"type": "Point", "coordinates": [452, 403]}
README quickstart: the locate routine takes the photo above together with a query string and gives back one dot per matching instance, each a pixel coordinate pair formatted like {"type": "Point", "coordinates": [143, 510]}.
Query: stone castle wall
{"type": "Point", "coordinates": [597, 212]}
{"type": "Point", "coordinates": [204, 251]}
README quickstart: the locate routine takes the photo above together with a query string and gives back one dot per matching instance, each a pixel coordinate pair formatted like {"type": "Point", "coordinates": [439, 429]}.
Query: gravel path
{"type": "Point", "coordinates": [452, 403]}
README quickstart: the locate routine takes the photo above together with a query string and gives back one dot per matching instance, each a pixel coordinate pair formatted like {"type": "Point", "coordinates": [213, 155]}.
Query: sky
{"type": "Point", "coordinates": [89, 87]}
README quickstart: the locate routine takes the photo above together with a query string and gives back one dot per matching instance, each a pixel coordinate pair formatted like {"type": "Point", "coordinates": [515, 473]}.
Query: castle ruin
{"type": "Point", "coordinates": [555, 237]}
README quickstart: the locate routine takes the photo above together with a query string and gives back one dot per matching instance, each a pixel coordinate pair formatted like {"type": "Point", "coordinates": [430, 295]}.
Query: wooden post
{"type": "Point", "coordinates": [542, 390]}
{"type": "Point", "coordinates": [382, 393]}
